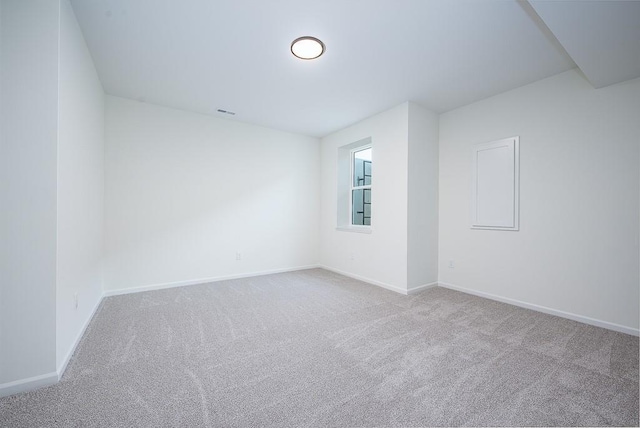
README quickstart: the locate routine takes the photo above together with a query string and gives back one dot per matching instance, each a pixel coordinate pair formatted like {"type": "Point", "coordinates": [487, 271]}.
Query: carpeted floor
{"type": "Point", "coordinates": [313, 348]}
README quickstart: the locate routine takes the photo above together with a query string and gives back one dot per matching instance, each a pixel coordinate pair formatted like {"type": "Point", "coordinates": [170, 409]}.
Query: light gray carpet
{"type": "Point", "coordinates": [313, 348]}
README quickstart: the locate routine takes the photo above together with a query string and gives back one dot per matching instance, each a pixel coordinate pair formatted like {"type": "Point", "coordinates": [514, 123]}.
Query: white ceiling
{"type": "Point", "coordinates": [602, 37]}
{"type": "Point", "coordinates": [202, 55]}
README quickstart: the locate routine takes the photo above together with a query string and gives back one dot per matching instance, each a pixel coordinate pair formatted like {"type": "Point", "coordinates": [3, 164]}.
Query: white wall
{"type": "Point", "coordinates": [80, 186]}
{"type": "Point", "coordinates": [185, 192]}
{"type": "Point", "coordinates": [28, 115]}
{"type": "Point", "coordinates": [577, 248]}
{"type": "Point", "coordinates": [3, 199]}
{"type": "Point", "coordinates": [381, 256]}
{"type": "Point", "coordinates": [422, 189]}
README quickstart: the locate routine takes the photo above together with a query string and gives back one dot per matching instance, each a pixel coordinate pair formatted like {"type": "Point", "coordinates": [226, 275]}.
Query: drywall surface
{"type": "Point", "coordinates": [80, 186]}
{"type": "Point", "coordinates": [379, 256]}
{"type": "Point", "coordinates": [577, 248]}
{"type": "Point", "coordinates": [186, 195]}
{"type": "Point", "coordinates": [29, 113]}
{"type": "Point", "coordinates": [422, 197]}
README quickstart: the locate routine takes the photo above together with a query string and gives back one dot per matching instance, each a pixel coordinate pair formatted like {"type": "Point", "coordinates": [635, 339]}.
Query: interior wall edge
{"type": "Point", "coordinates": [421, 288]}
{"type": "Point", "coordinates": [162, 286]}
{"type": "Point", "coordinates": [48, 379]}
{"type": "Point", "coordinates": [28, 384]}
{"type": "Point", "coordinates": [546, 310]}
{"type": "Point", "coordinates": [367, 280]}
{"type": "Point", "coordinates": [63, 366]}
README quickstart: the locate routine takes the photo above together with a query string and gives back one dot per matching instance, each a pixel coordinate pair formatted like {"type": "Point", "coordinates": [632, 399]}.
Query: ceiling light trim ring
{"type": "Point", "coordinates": [323, 48]}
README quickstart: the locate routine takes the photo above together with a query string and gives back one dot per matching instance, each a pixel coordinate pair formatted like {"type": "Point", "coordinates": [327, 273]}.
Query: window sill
{"type": "Point", "coordinates": [361, 229]}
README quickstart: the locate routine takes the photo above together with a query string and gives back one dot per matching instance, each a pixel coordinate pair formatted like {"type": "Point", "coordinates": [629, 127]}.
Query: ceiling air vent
{"type": "Point", "coordinates": [226, 112]}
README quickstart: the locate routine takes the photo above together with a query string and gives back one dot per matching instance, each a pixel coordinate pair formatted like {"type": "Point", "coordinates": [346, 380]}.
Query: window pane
{"type": "Point", "coordinates": [361, 208]}
{"type": "Point", "coordinates": [362, 168]}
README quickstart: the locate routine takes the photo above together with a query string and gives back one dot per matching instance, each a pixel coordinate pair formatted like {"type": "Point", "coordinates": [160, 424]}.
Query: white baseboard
{"type": "Point", "coordinates": [421, 288]}
{"type": "Point", "coordinates": [24, 385]}
{"type": "Point", "coordinates": [546, 310]}
{"type": "Point", "coordinates": [48, 379]}
{"type": "Point", "coordinates": [162, 286]}
{"type": "Point", "coordinates": [367, 280]}
{"type": "Point", "coordinates": [63, 367]}
{"type": "Point", "coordinates": [28, 384]}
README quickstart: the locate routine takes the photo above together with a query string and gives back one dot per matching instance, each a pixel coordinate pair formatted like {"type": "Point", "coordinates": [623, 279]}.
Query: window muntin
{"type": "Point", "coordinates": [360, 194]}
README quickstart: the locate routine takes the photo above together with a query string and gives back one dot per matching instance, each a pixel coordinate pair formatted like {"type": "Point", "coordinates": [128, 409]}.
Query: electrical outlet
{"type": "Point", "coordinates": [452, 265]}
{"type": "Point", "coordinates": [75, 300]}
{"type": "Point", "coordinates": [351, 256]}
{"type": "Point", "coordinates": [238, 255]}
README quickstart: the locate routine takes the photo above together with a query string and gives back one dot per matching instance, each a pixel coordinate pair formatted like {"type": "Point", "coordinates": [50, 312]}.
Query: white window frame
{"type": "Point", "coordinates": [352, 156]}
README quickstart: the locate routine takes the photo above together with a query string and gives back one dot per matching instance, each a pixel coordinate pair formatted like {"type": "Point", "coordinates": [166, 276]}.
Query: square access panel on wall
{"type": "Point", "coordinates": [495, 185]}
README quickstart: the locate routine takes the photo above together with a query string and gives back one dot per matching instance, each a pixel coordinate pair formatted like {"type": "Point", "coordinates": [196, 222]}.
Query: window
{"type": "Point", "coordinates": [361, 186]}
{"type": "Point", "coordinates": [353, 202]}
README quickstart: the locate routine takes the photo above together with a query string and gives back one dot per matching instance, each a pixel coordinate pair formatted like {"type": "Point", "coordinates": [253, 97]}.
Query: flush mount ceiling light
{"type": "Point", "coordinates": [307, 47]}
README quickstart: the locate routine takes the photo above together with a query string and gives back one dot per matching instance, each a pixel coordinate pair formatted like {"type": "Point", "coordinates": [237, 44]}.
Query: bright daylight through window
{"type": "Point", "coordinates": [361, 186]}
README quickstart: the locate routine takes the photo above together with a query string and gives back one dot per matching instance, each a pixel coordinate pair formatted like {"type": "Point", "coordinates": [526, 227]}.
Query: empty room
{"type": "Point", "coordinates": [354, 213]}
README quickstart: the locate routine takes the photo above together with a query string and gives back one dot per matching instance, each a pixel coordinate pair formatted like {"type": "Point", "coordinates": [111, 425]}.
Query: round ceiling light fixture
{"type": "Point", "coordinates": [307, 47]}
